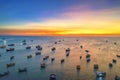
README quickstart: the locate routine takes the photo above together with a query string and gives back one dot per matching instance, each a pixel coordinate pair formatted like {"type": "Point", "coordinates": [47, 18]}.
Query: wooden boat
{"type": "Point", "coordinates": [100, 75]}
{"type": "Point", "coordinates": [62, 60]}
{"type": "Point", "coordinates": [39, 47]}
{"type": "Point", "coordinates": [11, 44]}
{"type": "Point", "coordinates": [43, 65]}
{"type": "Point", "coordinates": [81, 46]}
{"type": "Point", "coordinates": [117, 78]}
{"type": "Point", "coordinates": [46, 57]}
{"type": "Point", "coordinates": [87, 51]}
{"type": "Point", "coordinates": [29, 56]}
{"type": "Point", "coordinates": [10, 49]}
{"type": "Point", "coordinates": [80, 57]}
{"type": "Point", "coordinates": [67, 54]}
{"type": "Point", "coordinates": [22, 70]}
{"type": "Point", "coordinates": [52, 59]}
{"type": "Point", "coordinates": [12, 57]}
{"type": "Point", "coordinates": [68, 50]}
{"type": "Point", "coordinates": [78, 67]}
{"type": "Point", "coordinates": [4, 74]}
{"type": "Point", "coordinates": [88, 59]}
{"type": "Point", "coordinates": [10, 65]}
{"type": "Point", "coordinates": [110, 65]}
{"type": "Point", "coordinates": [28, 47]}
{"type": "Point", "coordinates": [114, 60]}
{"type": "Point", "coordinates": [52, 77]}
{"type": "Point", "coordinates": [53, 49]}
{"type": "Point", "coordinates": [88, 55]}
{"type": "Point", "coordinates": [38, 53]}
{"type": "Point", "coordinates": [118, 56]}
{"type": "Point", "coordinates": [96, 66]}
{"type": "Point", "coordinates": [3, 46]}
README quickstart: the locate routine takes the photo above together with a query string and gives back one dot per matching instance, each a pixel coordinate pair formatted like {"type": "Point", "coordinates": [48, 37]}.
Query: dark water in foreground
{"type": "Point", "coordinates": [101, 52]}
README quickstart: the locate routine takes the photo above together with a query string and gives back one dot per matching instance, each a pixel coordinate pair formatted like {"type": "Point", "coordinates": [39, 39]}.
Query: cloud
{"type": "Point", "coordinates": [81, 19]}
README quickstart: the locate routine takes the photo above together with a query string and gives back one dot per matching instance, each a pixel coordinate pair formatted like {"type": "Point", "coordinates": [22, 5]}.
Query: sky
{"type": "Point", "coordinates": [59, 17]}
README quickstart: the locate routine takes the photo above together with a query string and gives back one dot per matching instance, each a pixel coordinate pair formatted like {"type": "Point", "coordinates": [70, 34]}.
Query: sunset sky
{"type": "Point", "coordinates": [59, 17]}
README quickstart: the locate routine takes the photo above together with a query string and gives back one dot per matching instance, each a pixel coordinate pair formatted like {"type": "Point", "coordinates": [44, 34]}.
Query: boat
{"type": "Point", "coordinates": [43, 65]}
{"type": "Point", "coordinates": [80, 57]}
{"type": "Point", "coordinates": [52, 77]}
{"type": "Point", "coordinates": [96, 66]}
{"type": "Point", "coordinates": [88, 59]}
{"type": "Point", "coordinates": [10, 49]}
{"type": "Point", "coordinates": [38, 53]}
{"type": "Point", "coordinates": [12, 57]}
{"type": "Point", "coordinates": [67, 50]}
{"type": "Point", "coordinates": [52, 59]}
{"type": "Point", "coordinates": [24, 43]}
{"type": "Point", "coordinates": [88, 56]}
{"type": "Point", "coordinates": [28, 47]}
{"type": "Point", "coordinates": [117, 78]}
{"type": "Point", "coordinates": [3, 46]}
{"type": "Point", "coordinates": [39, 47]}
{"type": "Point", "coordinates": [114, 60]}
{"type": "Point", "coordinates": [110, 65]}
{"type": "Point", "coordinates": [11, 44]}
{"type": "Point", "coordinates": [22, 70]}
{"type": "Point", "coordinates": [81, 46]}
{"type": "Point", "coordinates": [4, 74]}
{"type": "Point", "coordinates": [29, 56]}
{"type": "Point", "coordinates": [53, 49]}
{"type": "Point", "coordinates": [87, 51]}
{"type": "Point", "coordinates": [100, 75]}
{"type": "Point", "coordinates": [118, 56]}
{"type": "Point", "coordinates": [10, 65]}
{"type": "Point", "coordinates": [67, 54]}
{"type": "Point", "coordinates": [62, 60]}
{"type": "Point", "coordinates": [46, 57]}
{"type": "Point", "coordinates": [78, 67]}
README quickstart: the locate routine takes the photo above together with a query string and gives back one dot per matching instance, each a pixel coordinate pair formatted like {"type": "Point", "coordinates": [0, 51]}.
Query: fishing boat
{"type": "Point", "coordinates": [96, 66]}
{"type": "Point", "coordinates": [12, 57]}
{"type": "Point", "coordinates": [10, 49]}
{"type": "Point", "coordinates": [10, 65]}
{"type": "Point", "coordinates": [29, 56]}
{"type": "Point", "coordinates": [52, 77]}
{"type": "Point", "coordinates": [78, 67]}
{"type": "Point", "coordinates": [4, 74]}
{"type": "Point", "coordinates": [11, 44]}
{"type": "Point", "coordinates": [22, 70]}
{"type": "Point", "coordinates": [28, 47]}
{"type": "Point", "coordinates": [43, 65]}
{"type": "Point", "coordinates": [3, 46]}
{"type": "Point", "coordinates": [100, 75]}
{"type": "Point", "coordinates": [117, 78]}
{"type": "Point", "coordinates": [53, 49]}
{"type": "Point", "coordinates": [38, 53]}
{"type": "Point", "coordinates": [52, 59]}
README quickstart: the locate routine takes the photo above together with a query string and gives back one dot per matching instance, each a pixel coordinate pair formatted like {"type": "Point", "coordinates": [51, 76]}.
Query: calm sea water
{"type": "Point", "coordinates": [101, 52]}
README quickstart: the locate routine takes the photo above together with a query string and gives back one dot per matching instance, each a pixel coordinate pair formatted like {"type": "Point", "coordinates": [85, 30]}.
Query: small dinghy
{"type": "Point", "coordinates": [100, 75]}
{"type": "Point", "coordinates": [52, 77]}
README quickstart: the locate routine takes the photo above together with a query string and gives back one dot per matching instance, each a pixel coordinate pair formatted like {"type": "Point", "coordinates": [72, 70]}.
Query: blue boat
{"type": "Point", "coordinates": [100, 75]}
{"type": "Point", "coordinates": [52, 77]}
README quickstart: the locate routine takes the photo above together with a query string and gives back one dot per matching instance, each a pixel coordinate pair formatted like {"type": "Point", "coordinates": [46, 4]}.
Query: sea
{"type": "Point", "coordinates": [102, 50]}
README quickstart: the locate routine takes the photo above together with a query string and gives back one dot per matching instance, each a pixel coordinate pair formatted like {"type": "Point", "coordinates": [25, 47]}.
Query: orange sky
{"type": "Point", "coordinates": [76, 20]}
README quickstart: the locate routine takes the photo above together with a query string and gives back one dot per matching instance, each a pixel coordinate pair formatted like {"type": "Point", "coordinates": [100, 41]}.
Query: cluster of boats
{"type": "Point", "coordinates": [99, 75]}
